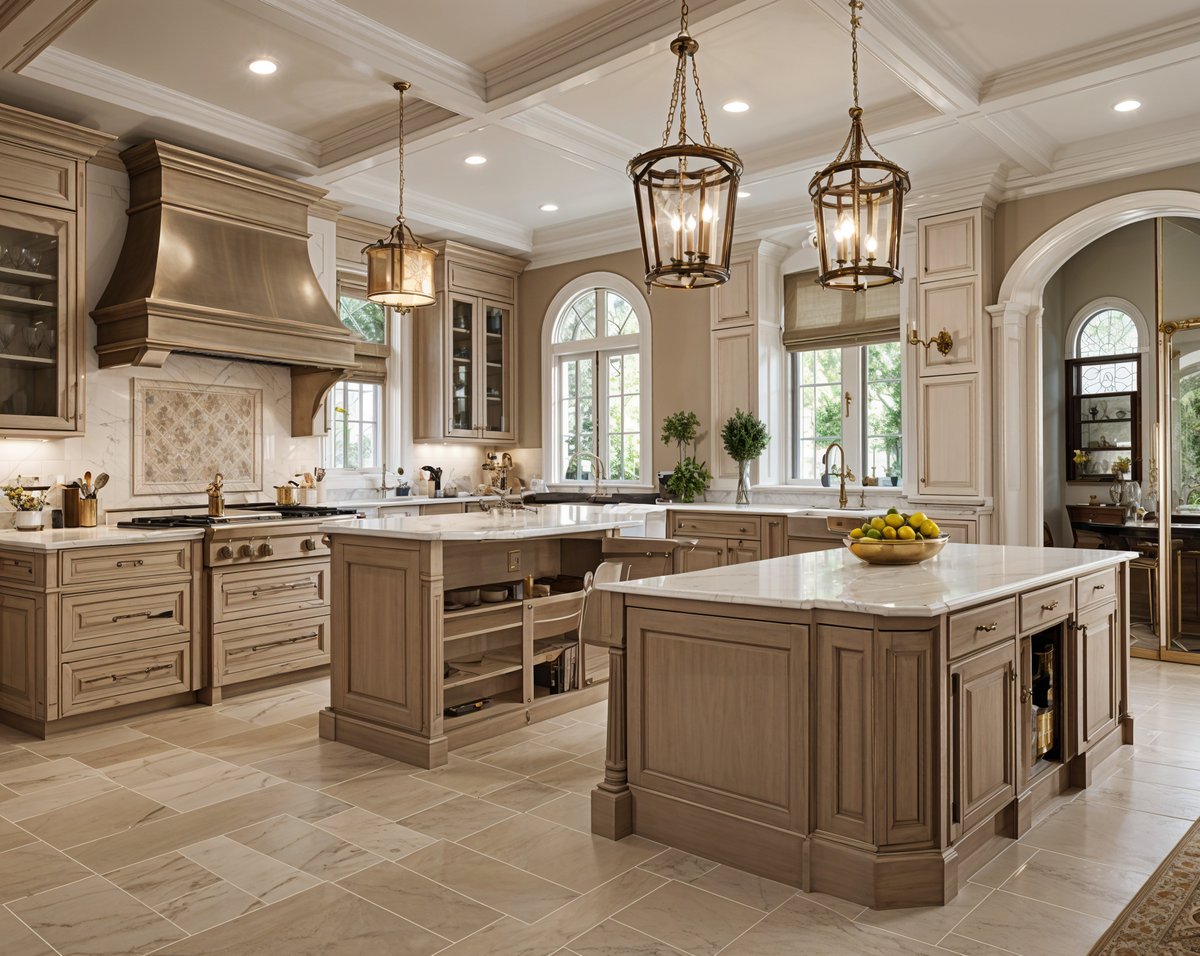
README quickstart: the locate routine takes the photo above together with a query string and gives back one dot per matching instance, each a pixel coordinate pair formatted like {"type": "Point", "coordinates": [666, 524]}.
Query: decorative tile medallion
{"type": "Point", "coordinates": [183, 434]}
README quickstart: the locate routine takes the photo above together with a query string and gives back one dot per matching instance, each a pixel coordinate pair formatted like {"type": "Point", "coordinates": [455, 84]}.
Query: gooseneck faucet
{"type": "Point", "coordinates": [843, 472]}
{"type": "Point", "coordinates": [599, 470]}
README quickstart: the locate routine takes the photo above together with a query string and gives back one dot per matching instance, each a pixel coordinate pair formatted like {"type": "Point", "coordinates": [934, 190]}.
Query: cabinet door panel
{"type": "Point", "coordinates": [983, 734]}
{"type": "Point", "coordinates": [954, 305]}
{"type": "Point", "coordinates": [948, 434]}
{"type": "Point", "coordinates": [743, 552]}
{"type": "Point", "coordinates": [462, 367]}
{"type": "Point", "coordinates": [845, 732]}
{"type": "Point", "coordinates": [735, 298]}
{"type": "Point", "coordinates": [497, 375]}
{"type": "Point", "coordinates": [734, 357]}
{"type": "Point", "coordinates": [1097, 650]}
{"type": "Point", "coordinates": [949, 246]}
{"type": "Point", "coordinates": [19, 614]}
{"type": "Point", "coordinates": [708, 553]}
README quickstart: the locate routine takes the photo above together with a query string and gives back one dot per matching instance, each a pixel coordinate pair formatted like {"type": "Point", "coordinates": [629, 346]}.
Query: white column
{"type": "Point", "coordinates": [1016, 420]}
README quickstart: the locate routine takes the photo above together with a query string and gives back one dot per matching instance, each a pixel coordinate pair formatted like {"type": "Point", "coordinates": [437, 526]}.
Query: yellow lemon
{"type": "Point", "coordinates": [856, 533]}
{"type": "Point", "coordinates": [889, 533]}
{"type": "Point", "coordinates": [894, 519]}
{"type": "Point", "coordinates": [906, 533]}
{"type": "Point", "coordinates": [930, 529]}
{"type": "Point", "coordinates": [878, 524]}
{"type": "Point", "coordinates": [917, 519]}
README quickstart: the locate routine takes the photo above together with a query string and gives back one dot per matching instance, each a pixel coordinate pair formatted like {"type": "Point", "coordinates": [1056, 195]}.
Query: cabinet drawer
{"type": "Point", "coordinates": [1046, 605]}
{"type": "Point", "coordinates": [113, 565]}
{"type": "Point", "coordinates": [1096, 588]}
{"type": "Point", "coordinates": [224, 553]}
{"type": "Point", "coordinates": [90, 621]}
{"type": "Point", "coordinates": [486, 283]}
{"type": "Point", "coordinates": [240, 595]}
{"type": "Point", "coordinates": [19, 568]}
{"type": "Point", "coordinates": [981, 627]}
{"type": "Point", "coordinates": [275, 648]}
{"type": "Point", "coordinates": [450, 508]}
{"type": "Point", "coordinates": [728, 526]}
{"type": "Point", "coordinates": [125, 678]}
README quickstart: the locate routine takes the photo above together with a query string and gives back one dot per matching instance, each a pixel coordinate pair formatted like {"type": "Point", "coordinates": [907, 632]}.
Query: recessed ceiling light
{"type": "Point", "coordinates": [736, 106]}
{"type": "Point", "coordinates": [263, 66]}
{"type": "Point", "coordinates": [548, 207]}
{"type": "Point", "coordinates": [1127, 106]}
{"type": "Point", "coordinates": [743, 194]}
{"type": "Point", "coordinates": [475, 160]}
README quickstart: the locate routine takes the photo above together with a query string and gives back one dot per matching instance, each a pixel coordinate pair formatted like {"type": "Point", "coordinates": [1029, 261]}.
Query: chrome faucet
{"type": "Point", "coordinates": [383, 485]}
{"type": "Point", "coordinates": [599, 472]}
{"type": "Point", "coordinates": [843, 472]}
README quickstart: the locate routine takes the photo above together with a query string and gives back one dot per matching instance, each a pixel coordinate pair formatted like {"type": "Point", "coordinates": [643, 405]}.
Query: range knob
{"type": "Point", "coordinates": [309, 544]}
{"type": "Point", "coordinates": [224, 552]}
{"type": "Point", "coordinates": [265, 550]}
{"type": "Point", "coordinates": [246, 551]}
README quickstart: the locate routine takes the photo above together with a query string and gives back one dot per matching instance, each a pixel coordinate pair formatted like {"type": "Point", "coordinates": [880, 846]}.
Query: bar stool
{"type": "Point", "coordinates": [1148, 563]}
{"type": "Point", "coordinates": [1178, 551]}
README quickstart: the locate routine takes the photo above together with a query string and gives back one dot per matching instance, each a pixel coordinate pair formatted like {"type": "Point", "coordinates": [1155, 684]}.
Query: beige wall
{"type": "Point", "coordinates": [679, 346]}
{"type": "Point", "coordinates": [1020, 222]}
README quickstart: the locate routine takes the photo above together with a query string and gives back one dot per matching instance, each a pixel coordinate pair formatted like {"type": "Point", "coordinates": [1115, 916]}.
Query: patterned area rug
{"type": "Point", "coordinates": [1164, 918]}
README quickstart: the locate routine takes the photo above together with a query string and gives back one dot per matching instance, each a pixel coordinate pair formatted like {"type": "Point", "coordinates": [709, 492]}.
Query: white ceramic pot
{"type": "Point", "coordinates": [28, 520]}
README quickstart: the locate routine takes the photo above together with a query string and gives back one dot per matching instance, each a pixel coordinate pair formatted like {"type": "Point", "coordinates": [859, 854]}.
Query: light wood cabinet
{"type": "Point", "coordinates": [955, 305]}
{"type": "Point", "coordinates": [735, 300]}
{"type": "Point", "coordinates": [21, 620]}
{"type": "Point", "coordinates": [948, 435]}
{"type": "Point", "coordinates": [43, 188]}
{"type": "Point", "coordinates": [465, 349]}
{"type": "Point", "coordinates": [949, 245]}
{"type": "Point", "coordinates": [1099, 649]}
{"type": "Point", "coordinates": [983, 735]}
{"type": "Point", "coordinates": [725, 538]}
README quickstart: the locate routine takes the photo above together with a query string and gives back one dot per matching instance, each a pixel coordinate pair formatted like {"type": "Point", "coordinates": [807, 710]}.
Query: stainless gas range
{"type": "Point", "coordinates": [267, 581]}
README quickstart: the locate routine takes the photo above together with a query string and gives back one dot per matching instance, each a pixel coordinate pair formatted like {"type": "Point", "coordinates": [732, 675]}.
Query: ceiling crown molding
{"type": "Point", "coordinates": [376, 141]}
{"type": "Point", "coordinates": [28, 27]}
{"type": "Point", "coordinates": [80, 75]}
{"type": "Point", "coordinates": [1018, 138]}
{"type": "Point", "coordinates": [554, 127]}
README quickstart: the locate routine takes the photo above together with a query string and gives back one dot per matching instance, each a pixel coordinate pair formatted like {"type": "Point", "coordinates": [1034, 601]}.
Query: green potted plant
{"type": "Point", "coordinates": [690, 477]}
{"type": "Point", "coordinates": [745, 437]}
{"type": "Point", "coordinates": [28, 505]}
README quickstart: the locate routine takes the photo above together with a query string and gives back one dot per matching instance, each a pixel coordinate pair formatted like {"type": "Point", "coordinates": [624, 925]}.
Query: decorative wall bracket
{"type": "Point", "coordinates": [943, 340]}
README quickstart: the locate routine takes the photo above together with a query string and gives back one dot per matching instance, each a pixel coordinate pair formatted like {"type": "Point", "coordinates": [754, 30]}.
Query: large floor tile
{"type": "Point", "coordinates": [492, 745]}
{"type": "Point", "coordinates": [142, 746]}
{"type": "Point", "coordinates": [426, 903]}
{"type": "Point", "coordinates": [378, 834]}
{"type": "Point", "coordinates": [573, 775]}
{"type": "Point", "coordinates": [524, 795]}
{"type": "Point", "coordinates": [95, 918]}
{"type": "Point", "coordinates": [1004, 865]}
{"type": "Point", "coordinates": [192, 727]}
{"type": "Point", "coordinates": [324, 921]}
{"type": "Point", "coordinates": [502, 887]}
{"type": "Point", "coordinates": [393, 792]}
{"type": "Point", "coordinates": [13, 836]}
{"type": "Point", "coordinates": [1079, 885]}
{"type": "Point", "coordinates": [578, 739]}
{"type": "Point", "coordinates": [19, 939]}
{"type": "Point", "coordinates": [691, 919]}
{"type": "Point", "coordinates": [209, 906]}
{"type": "Point", "coordinates": [205, 785]}
{"type": "Point", "coordinates": [1147, 771]}
{"type": "Point", "coordinates": [260, 743]}
{"type": "Point", "coordinates": [259, 875]}
{"type": "Point", "coordinates": [457, 818]}
{"type": "Point", "coordinates": [743, 887]}
{"type": "Point", "coordinates": [44, 774]}
{"type": "Point", "coordinates": [162, 878]}
{"type": "Point", "coordinates": [611, 938]}
{"type": "Point", "coordinates": [87, 741]}
{"type": "Point", "coordinates": [155, 768]}
{"type": "Point", "coordinates": [304, 846]}
{"type": "Point", "coordinates": [564, 856]}
{"type": "Point", "coordinates": [36, 867]}
{"type": "Point", "coordinates": [469, 776]}
{"type": "Point", "coordinates": [927, 923]}
{"type": "Point", "coordinates": [1134, 794]}
{"type": "Point", "coordinates": [572, 810]}
{"type": "Point", "coordinates": [1129, 838]}
{"type": "Point", "coordinates": [324, 765]}
{"type": "Point", "coordinates": [96, 818]}
{"type": "Point", "coordinates": [16, 759]}
{"type": "Point", "coordinates": [1031, 927]}
{"type": "Point", "coordinates": [274, 709]}
{"type": "Point", "coordinates": [527, 758]}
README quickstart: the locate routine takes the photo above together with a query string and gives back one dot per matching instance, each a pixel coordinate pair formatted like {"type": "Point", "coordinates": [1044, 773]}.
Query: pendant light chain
{"type": "Point", "coordinates": [401, 86]}
{"type": "Point", "coordinates": [855, 23]}
{"type": "Point", "coordinates": [700, 103]}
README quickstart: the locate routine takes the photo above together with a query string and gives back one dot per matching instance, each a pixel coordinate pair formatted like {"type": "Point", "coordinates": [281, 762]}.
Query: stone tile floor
{"type": "Point", "coordinates": [234, 830]}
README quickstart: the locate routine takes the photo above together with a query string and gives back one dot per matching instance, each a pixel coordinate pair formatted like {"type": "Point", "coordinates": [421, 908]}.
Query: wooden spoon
{"type": "Point", "coordinates": [87, 484]}
{"type": "Point", "coordinates": [101, 481]}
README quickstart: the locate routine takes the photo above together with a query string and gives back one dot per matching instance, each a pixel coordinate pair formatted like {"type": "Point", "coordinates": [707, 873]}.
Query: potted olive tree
{"type": "Point", "coordinates": [690, 477]}
{"type": "Point", "coordinates": [745, 437]}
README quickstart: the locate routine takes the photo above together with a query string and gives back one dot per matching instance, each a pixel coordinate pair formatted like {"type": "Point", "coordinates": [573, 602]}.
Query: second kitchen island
{"type": "Point", "coordinates": [402, 657]}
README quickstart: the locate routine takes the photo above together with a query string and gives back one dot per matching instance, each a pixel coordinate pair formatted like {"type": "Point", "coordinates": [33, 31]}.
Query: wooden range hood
{"type": "Point", "coordinates": [215, 262]}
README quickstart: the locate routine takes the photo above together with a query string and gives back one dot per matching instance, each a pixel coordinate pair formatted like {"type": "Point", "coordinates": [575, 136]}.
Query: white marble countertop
{"type": "Point", "coordinates": [58, 539]}
{"type": "Point", "coordinates": [549, 521]}
{"type": "Point", "coordinates": [394, 501]}
{"type": "Point", "coordinates": [961, 576]}
{"type": "Point", "coordinates": [751, 509]}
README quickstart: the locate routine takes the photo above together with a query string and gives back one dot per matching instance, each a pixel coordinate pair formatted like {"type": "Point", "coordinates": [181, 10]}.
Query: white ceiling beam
{"type": "Point", "coordinates": [554, 127]}
{"type": "Point", "coordinates": [80, 75]}
{"type": "Point", "coordinates": [27, 27]}
{"type": "Point", "coordinates": [375, 142]}
{"type": "Point", "coordinates": [1017, 137]}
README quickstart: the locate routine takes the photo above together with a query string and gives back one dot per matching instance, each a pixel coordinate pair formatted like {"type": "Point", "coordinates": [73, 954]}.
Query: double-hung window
{"type": "Point", "coordinates": [354, 409]}
{"type": "Point", "coordinates": [597, 355]}
{"type": "Point", "coordinates": [845, 380]}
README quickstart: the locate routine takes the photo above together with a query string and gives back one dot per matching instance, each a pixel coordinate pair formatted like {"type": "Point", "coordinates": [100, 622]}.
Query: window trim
{"type": "Point", "coordinates": [1105, 304]}
{"type": "Point", "coordinates": [552, 353]}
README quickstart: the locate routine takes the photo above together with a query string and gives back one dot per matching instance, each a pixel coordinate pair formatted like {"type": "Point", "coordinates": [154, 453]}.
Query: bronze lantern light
{"type": "Point", "coordinates": [858, 205]}
{"type": "Point", "coordinates": [686, 192]}
{"type": "Point", "coordinates": [399, 267]}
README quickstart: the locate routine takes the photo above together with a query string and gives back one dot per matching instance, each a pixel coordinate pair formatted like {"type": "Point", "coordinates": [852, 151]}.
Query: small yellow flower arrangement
{"type": "Point", "coordinates": [1081, 457]}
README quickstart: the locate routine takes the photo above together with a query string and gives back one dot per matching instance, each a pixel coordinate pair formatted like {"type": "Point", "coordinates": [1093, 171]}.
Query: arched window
{"type": "Point", "coordinates": [1107, 332]}
{"type": "Point", "coordinates": [596, 356]}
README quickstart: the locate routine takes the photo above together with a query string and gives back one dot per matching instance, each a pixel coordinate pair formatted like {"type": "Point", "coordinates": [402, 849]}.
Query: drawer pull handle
{"type": "Point", "coordinates": [14, 563]}
{"type": "Point", "coordinates": [743, 530]}
{"type": "Point", "coordinates": [146, 615]}
{"type": "Point", "coordinates": [1099, 587]}
{"type": "Point", "coordinates": [1050, 607]}
{"type": "Point", "coordinates": [291, 586]}
{"type": "Point", "coordinates": [287, 640]}
{"type": "Point", "coordinates": [987, 627]}
{"type": "Point", "coordinates": [136, 563]}
{"type": "Point", "coordinates": [113, 678]}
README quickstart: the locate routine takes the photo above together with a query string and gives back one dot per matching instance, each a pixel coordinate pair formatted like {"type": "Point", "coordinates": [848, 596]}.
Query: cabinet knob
{"type": "Point", "coordinates": [987, 627]}
{"type": "Point", "coordinates": [265, 550]}
{"type": "Point", "coordinates": [1099, 587]}
{"type": "Point", "coordinates": [309, 544]}
{"type": "Point", "coordinates": [224, 552]}
{"type": "Point", "coordinates": [246, 550]}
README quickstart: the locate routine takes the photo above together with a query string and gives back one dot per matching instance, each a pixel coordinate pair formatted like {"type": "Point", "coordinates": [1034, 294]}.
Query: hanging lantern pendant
{"type": "Point", "coordinates": [399, 267]}
{"type": "Point", "coordinates": [858, 204]}
{"type": "Point", "coordinates": [686, 192]}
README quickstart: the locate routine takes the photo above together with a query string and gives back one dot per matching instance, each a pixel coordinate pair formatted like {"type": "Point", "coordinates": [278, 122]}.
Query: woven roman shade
{"type": "Point", "coordinates": [818, 318]}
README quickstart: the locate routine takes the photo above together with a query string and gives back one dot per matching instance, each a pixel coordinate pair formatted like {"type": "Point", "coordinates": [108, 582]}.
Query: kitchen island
{"type": "Point", "coordinates": [414, 675]}
{"type": "Point", "coordinates": [875, 733]}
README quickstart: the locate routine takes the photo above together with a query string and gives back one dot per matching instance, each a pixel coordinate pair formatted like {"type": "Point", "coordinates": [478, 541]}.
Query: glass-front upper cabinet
{"type": "Point", "coordinates": [37, 321]}
{"type": "Point", "coordinates": [464, 371]}
{"type": "Point", "coordinates": [497, 371]}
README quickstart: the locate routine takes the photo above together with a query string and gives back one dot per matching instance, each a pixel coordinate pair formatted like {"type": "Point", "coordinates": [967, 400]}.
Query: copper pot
{"type": "Point", "coordinates": [287, 495]}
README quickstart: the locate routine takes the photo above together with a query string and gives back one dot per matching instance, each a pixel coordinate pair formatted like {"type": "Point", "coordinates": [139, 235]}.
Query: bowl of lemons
{"type": "Point", "coordinates": [897, 538]}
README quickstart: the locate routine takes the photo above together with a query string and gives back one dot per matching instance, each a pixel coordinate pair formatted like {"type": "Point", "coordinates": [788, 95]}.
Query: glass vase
{"type": "Point", "coordinates": [743, 486]}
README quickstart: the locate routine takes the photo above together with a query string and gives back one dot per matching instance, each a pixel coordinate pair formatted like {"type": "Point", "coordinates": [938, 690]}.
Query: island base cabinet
{"type": "Point", "coordinates": [983, 736]}
{"type": "Point", "coordinates": [19, 628]}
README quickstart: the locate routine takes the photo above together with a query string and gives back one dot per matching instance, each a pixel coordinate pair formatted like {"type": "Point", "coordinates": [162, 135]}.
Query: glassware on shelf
{"type": "Point", "coordinates": [33, 337]}
{"type": "Point", "coordinates": [7, 332]}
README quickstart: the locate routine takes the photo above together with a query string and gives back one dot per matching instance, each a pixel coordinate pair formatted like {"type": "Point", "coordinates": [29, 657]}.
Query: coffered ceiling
{"type": "Point", "coordinates": [558, 95]}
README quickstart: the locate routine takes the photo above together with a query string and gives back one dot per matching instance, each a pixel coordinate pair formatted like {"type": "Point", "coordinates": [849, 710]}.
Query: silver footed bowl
{"type": "Point", "coordinates": [876, 551]}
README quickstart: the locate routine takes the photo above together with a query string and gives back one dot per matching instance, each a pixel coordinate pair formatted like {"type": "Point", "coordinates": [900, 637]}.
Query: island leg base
{"type": "Point", "coordinates": [425, 752]}
{"type": "Point", "coordinates": [882, 880]}
{"type": "Point", "coordinates": [612, 813]}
